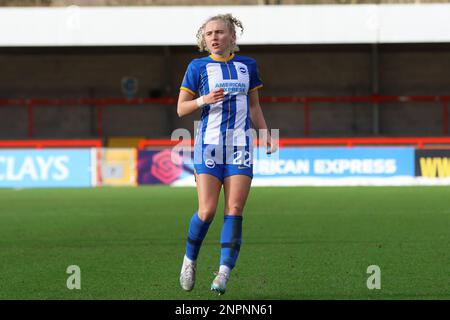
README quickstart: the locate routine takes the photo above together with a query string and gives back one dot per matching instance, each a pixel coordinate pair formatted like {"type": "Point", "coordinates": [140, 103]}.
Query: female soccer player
{"type": "Point", "coordinates": [225, 87]}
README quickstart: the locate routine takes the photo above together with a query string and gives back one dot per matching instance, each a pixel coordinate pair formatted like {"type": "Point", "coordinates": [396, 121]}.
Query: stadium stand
{"type": "Point", "coordinates": [198, 2]}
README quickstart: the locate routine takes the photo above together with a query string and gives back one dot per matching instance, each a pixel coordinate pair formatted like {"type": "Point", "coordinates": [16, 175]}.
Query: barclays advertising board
{"type": "Point", "coordinates": [24, 168]}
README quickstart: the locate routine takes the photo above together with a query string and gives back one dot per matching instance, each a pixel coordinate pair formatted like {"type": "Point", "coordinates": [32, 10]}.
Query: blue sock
{"type": "Point", "coordinates": [230, 240]}
{"type": "Point", "coordinates": [196, 234]}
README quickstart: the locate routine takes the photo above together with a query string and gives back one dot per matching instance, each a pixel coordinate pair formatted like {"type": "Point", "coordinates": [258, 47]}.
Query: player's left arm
{"type": "Point", "coordinates": [259, 122]}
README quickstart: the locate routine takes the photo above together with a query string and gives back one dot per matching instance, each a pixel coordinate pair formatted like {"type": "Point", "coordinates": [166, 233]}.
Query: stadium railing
{"type": "Point", "coordinates": [39, 144]}
{"type": "Point", "coordinates": [100, 103]}
{"type": "Point", "coordinates": [418, 142]}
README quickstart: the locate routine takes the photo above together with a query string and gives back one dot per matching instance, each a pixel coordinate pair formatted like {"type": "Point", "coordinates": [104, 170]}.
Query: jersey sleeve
{"type": "Point", "coordinates": [191, 79]}
{"type": "Point", "coordinates": [255, 79]}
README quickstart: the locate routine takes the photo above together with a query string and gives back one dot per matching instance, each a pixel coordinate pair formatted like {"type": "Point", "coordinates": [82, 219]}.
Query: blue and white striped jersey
{"type": "Point", "coordinates": [237, 75]}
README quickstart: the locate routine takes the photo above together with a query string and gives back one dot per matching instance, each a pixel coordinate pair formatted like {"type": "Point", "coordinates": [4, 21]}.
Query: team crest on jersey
{"type": "Point", "coordinates": [242, 70]}
{"type": "Point", "coordinates": [210, 163]}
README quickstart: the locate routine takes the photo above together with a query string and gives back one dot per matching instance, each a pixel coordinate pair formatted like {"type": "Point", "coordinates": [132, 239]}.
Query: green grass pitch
{"type": "Point", "coordinates": [298, 243]}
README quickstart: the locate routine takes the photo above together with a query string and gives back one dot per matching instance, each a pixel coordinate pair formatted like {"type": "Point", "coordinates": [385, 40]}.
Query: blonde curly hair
{"type": "Point", "coordinates": [230, 22]}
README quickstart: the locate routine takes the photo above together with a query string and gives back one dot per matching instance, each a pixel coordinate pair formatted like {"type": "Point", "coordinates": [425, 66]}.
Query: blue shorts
{"type": "Point", "coordinates": [234, 162]}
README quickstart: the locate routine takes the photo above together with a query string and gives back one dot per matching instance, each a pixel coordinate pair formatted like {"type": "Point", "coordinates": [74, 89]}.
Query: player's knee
{"type": "Point", "coordinates": [206, 214]}
{"type": "Point", "coordinates": [234, 210]}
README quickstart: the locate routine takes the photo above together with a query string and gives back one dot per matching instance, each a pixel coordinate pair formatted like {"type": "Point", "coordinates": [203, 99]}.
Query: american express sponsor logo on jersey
{"type": "Point", "coordinates": [232, 87]}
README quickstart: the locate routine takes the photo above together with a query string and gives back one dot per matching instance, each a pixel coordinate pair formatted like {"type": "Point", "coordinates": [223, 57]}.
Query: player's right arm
{"type": "Point", "coordinates": [188, 104]}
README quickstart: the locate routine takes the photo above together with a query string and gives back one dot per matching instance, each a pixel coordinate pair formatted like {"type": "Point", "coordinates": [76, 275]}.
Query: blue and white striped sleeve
{"type": "Point", "coordinates": [255, 79]}
{"type": "Point", "coordinates": [191, 79]}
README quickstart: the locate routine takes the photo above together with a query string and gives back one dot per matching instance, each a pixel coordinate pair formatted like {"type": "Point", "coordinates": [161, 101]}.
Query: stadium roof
{"type": "Point", "coordinates": [296, 24]}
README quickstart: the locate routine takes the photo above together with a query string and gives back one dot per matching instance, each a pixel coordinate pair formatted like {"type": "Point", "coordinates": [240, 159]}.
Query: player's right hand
{"type": "Point", "coordinates": [214, 96]}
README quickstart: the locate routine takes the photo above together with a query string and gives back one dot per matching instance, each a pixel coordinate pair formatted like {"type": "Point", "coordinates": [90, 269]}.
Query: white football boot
{"type": "Point", "coordinates": [219, 283]}
{"type": "Point", "coordinates": [187, 275]}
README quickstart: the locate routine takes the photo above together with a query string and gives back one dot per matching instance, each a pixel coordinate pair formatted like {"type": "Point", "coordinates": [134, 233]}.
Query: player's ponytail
{"type": "Point", "coordinates": [230, 22]}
